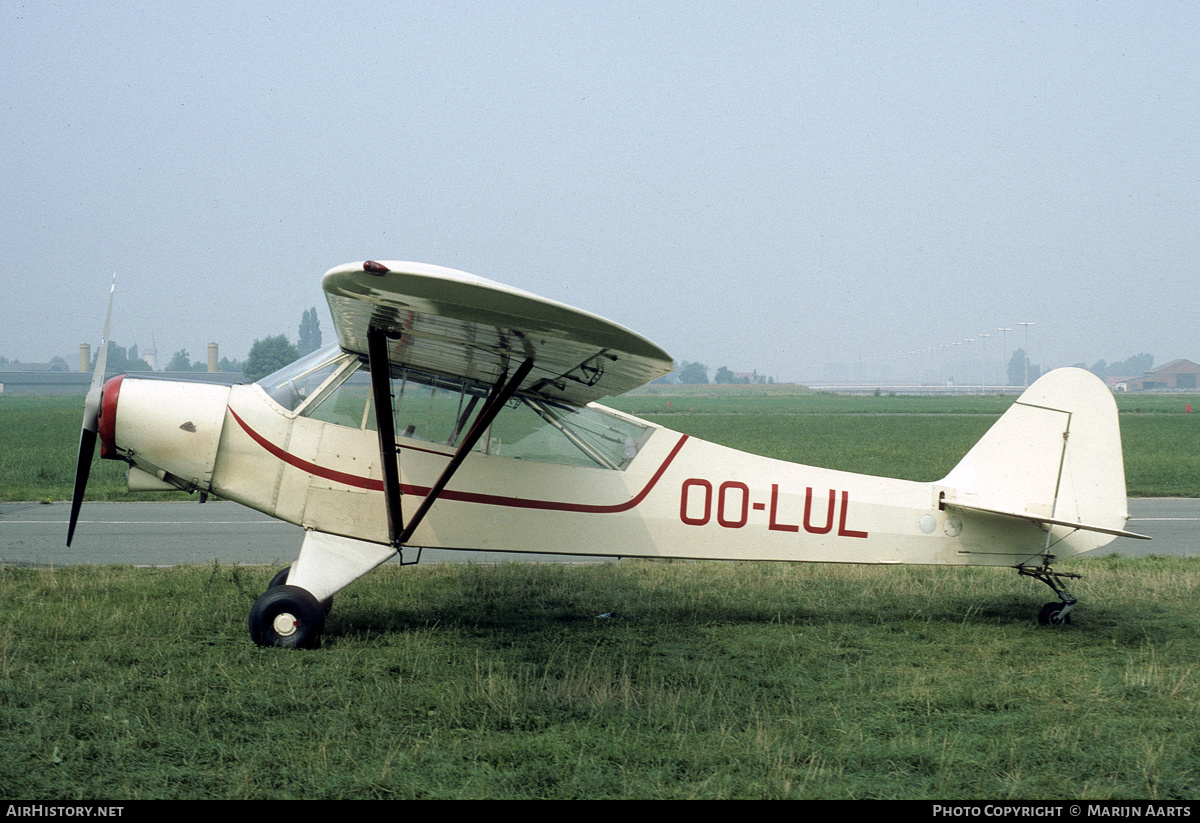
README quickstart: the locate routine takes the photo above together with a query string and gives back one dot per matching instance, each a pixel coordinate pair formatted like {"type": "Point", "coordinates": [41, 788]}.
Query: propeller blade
{"type": "Point", "coordinates": [83, 467]}
{"type": "Point", "coordinates": [91, 425]}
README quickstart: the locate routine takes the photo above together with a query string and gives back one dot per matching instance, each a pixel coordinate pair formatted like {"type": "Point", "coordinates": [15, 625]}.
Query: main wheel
{"type": "Point", "coordinates": [1052, 615]}
{"type": "Point", "coordinates": [280, 579]}
{"type": "Point", "coordinates": [287, 617]}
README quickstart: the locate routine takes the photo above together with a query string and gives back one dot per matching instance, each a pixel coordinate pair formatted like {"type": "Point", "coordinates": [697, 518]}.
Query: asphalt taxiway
{"type": "Point", "coordinates": [168, 534]}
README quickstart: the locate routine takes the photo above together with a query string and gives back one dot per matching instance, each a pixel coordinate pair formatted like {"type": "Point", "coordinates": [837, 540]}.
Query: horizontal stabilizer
{"type": "Point", "coordinates": [1038, 519]}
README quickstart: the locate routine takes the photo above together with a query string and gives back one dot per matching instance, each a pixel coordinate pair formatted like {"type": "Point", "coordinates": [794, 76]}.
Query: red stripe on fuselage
{"type": "Point", "coordinates": [359, 482]}
{"type": "Point", "coordinates": [303, 465]}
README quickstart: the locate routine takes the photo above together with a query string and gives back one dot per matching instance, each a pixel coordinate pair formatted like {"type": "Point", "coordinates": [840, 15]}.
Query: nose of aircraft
{"type": "Point", "coordinates": [169, 429]}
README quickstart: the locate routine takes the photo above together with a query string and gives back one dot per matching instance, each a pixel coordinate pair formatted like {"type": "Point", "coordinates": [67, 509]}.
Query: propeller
{"type": "Point", "coordinates": [91, 416]}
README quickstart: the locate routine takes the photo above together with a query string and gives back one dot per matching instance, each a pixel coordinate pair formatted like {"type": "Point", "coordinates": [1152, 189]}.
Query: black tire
{"type": "Point", "coordinates": [280, 579]}
{"type": "Point", "coordinates": [287, 617]}
{"type": "Point", "coordinates": [1051, 615]}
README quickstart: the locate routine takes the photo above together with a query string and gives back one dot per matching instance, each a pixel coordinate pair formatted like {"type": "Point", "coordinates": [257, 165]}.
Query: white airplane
{"type": "Point", "coordinates": [455, 412]}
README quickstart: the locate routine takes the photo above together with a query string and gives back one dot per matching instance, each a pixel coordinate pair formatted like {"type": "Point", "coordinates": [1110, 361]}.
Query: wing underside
{"type": "Point", "coordinates": [451, 323]}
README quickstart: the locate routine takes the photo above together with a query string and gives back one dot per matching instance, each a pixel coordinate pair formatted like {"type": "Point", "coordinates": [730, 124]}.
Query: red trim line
{"type": "Point", "coordinates": [106, 421]}
{"type": "Point", "coordinates": [359, 482]}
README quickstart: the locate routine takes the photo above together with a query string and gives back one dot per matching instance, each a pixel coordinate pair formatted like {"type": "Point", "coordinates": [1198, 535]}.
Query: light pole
{"type": "Point", "coordinates": [1004, 355]}
{"type": "Point", "coordinates": [967, 358]}
{"type": "Point", "coordinates": [1026, 325]}
{"type": "Point", "coordinates": [983, 355]}
{"type": "Point", "coordinates": [954, 366]}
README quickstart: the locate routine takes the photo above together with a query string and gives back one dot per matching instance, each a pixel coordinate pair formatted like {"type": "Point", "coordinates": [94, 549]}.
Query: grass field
{"type": "Point", "coordinates": [709, 680]}
{"type": "Point", "coordinates": [910, 437]}
{"type": "Point", "coordinates": [713, 680]}
{"type": "Point", "coordinates": [914, 438]}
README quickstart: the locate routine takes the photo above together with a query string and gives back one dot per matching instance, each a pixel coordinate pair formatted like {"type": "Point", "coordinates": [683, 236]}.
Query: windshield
{"type": "Point", "coordinates": [298, 381]}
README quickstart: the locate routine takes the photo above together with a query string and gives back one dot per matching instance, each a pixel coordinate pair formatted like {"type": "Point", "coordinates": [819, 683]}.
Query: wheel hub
{"type": "Point", "coordinates": [285, 624]}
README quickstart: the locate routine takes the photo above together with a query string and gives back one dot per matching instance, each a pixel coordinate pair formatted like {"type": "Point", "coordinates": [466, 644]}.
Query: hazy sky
{"type": "Point", "coordinates": [768, 186]}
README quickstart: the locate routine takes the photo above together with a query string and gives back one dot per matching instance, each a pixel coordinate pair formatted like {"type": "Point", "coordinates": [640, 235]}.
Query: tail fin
{"type": "Point", "coordinates": [1053, 458]}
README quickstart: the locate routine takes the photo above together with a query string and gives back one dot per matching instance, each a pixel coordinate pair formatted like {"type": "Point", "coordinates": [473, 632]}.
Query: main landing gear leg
{"type": "Point", "coordinates": [291, 613]}
{"type": "Point", "coordinates": [1053, 613]}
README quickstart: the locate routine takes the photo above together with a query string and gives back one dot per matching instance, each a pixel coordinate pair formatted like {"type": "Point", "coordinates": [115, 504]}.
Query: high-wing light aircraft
{"type": "Point", "coordinates": [457, 412]}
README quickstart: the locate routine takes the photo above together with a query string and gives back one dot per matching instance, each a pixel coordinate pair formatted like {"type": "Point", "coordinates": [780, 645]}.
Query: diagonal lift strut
{"type": "Point", "coordinates": [385, 427]}
{"type": "Point", "coordinates": [399, 533]}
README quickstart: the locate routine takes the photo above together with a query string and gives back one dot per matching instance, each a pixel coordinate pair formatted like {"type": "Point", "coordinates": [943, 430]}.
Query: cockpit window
{"type": "Point", "coordinates": [336, 388]}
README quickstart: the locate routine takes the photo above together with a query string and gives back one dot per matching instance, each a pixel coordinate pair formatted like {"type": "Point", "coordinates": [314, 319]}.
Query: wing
{"type": "Point", "coordinates": [456, 324]}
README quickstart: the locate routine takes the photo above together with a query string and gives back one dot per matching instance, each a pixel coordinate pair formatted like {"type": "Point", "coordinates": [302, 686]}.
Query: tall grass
{"type": "Point", "coordinates": [707, 680]}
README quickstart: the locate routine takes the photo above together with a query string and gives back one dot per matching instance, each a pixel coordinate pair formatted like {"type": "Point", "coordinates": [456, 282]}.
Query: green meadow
{"type": "Point", "coordinates": [914, 438]}
{"type": "Point", "coordinates": [910, 437]}
{"type": "Point", "coordinates": [632, 679]}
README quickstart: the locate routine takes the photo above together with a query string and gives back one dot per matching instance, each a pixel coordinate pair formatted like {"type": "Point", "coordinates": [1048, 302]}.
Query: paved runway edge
{"type": "Point", "coordinates": [187, 532]}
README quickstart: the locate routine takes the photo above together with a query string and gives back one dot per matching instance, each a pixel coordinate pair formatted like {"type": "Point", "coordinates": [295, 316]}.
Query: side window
{"type": "Point", "coordinates": [347, 403]}
{"type": "Point", "coordinates": [434, 409]}
{"type": "Point", "coordinates": [537, 429]}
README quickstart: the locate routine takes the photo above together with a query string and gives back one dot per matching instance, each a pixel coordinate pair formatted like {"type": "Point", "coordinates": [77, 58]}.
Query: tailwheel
{"type": "Point", "coordinates": [287, 617]}
{"type": "Point", "coordinates": [1055, 614]}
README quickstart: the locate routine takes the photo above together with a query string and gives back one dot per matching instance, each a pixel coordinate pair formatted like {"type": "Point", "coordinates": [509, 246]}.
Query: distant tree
{"type": "Point", "coordinates": [230, 365]}
{"type": "Point", "coordinates": [1135, 366]}
{"type": "Point", "coordinates": [693, 372]}
{"type": "Point", "coordinates": [180, 361]}
{"type": "Point", "coordinates": [723, 375]}
{"type": "Point", "coordinates": [121, 360]}
{"type": "Point", "coordinates": [310, 333]}
{"type": "Point", "coordinates": [268, 355]}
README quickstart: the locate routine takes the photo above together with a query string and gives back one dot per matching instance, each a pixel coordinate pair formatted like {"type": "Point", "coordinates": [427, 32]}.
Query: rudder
{"type": "Point", "coordinates": [1055, 454]}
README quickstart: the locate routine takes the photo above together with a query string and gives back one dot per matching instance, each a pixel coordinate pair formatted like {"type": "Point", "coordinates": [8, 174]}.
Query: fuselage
{"type": "Point", "coordinates": [666, 495]}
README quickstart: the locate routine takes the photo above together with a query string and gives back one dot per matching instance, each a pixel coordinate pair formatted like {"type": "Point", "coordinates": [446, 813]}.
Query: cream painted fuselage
{"type": "Point", "coordinates": [680, 497]}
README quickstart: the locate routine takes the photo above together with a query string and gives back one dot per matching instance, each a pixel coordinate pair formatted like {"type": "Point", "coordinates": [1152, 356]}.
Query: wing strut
{"type": "Point", "coordinates": [504, 389]}
{"type": "Point", "coordinates": [385, 426]}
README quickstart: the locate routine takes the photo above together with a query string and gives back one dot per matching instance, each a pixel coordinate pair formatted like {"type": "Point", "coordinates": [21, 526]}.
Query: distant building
{"type": "Point", "coordinates": [53, 367]}
{"type": "Point", "coordinates": [1178, 374]}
